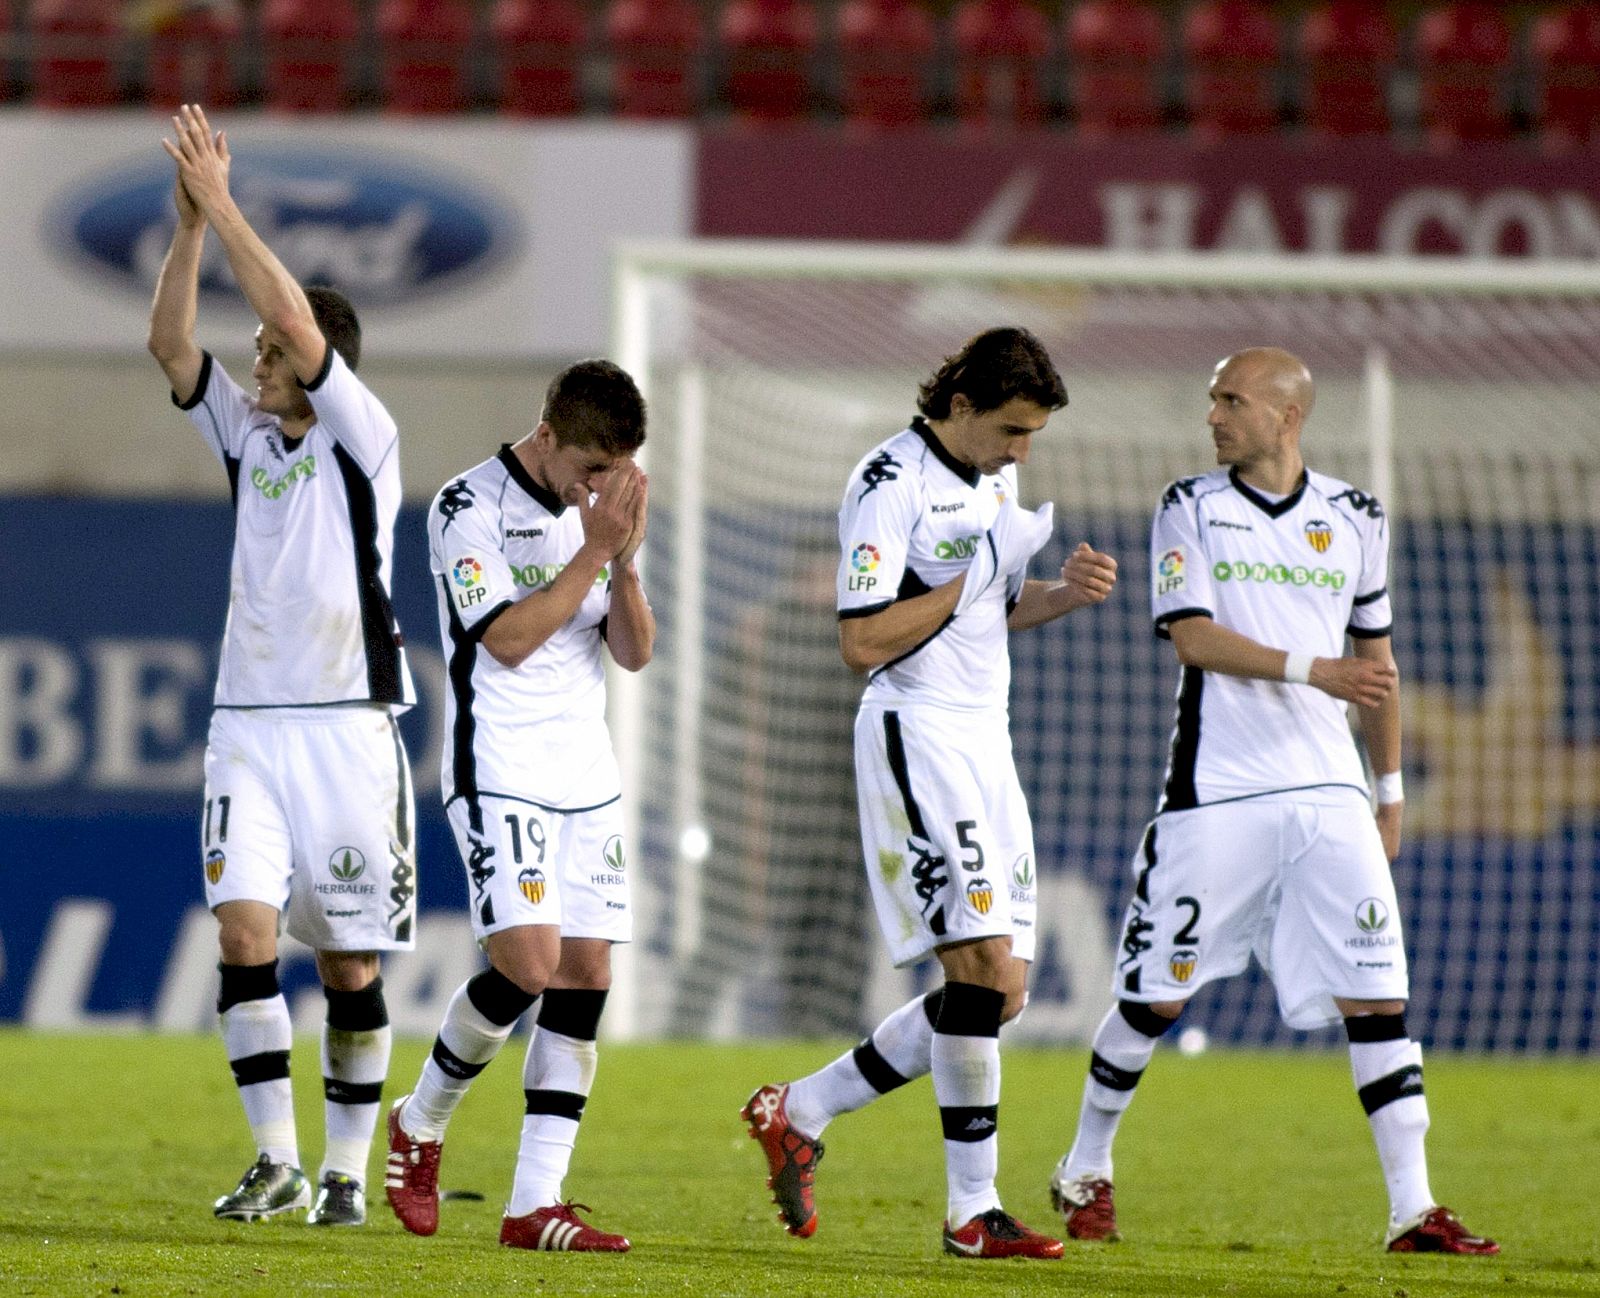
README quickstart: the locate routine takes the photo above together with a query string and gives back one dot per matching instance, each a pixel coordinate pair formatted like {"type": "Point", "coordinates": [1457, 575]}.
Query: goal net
{"type": "Point", "coordinates": [1467, 398]}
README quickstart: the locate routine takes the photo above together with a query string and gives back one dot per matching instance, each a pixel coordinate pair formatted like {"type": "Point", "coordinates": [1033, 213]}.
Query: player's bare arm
{"type": "Point", "coordinates": [274, 294]}
{"type": "Point", "coordinates": [1202, 642]}
{"type": "Point", "coordinates": [630, 624]}
{"type": "Point", "coordinates": [172, 314]}
{"type": "Point", "coordinates": [869, 642]}
{"type": "Point", "coordinates": [1380, 729]}
{"type": "Point", "coordinates": [1087, 578]}
{"type": "Point", "coordinates": [607, 524]}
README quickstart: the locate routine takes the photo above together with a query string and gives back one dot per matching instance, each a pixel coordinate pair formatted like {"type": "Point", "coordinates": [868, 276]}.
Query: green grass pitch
{"type": "Point", "coordinates": [1239, 1173]}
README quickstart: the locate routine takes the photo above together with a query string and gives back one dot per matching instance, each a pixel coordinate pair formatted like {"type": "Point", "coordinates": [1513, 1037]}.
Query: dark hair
{"type": "Point", "coordinates": [991, 369]}
{"type": "Point", "coordinates": [595, 403]}
{"type": "Point", "coordinates": [336, 318]}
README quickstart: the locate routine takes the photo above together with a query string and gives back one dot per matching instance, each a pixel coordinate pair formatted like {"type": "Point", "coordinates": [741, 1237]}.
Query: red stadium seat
{"type": "Point", "coordinates": [191, 58]}
{"type": "Point", "coordinates": [422, 55]}
{"type": "Point", "coordinates": [1348, 50]}
{"type": "Point", "coordinates": [656, 48]}
{"type": "Point", "coordinates": [769, 46]}
{"type": "Point", "coordinates": [885, 47]}
{"type": "Point", "coordinates": [75, 44]}
{"type": "Point", "coordinates": [7, 29]}
{"type": "Point", "coordinates": [1117, 49]}
{"type": "Point", "coordinates": [1463, 65]}
{"type": "Point", "coordinates": [1000, 52]}
{"type": "Point", "coordinates": [1231, 48]}
{"type": "Point", "coordinates": [540, 45]}
{"type": "Point", "coordinates": [1566, 58]}
{"type": "Point", "coordinates": [309, 48]}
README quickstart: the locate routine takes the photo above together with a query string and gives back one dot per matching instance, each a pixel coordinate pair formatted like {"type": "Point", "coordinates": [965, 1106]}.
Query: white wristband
{"type": "Point", "coordinates": [1297, 669]}
{"type": "Point", "coordinates": [1389, 789]}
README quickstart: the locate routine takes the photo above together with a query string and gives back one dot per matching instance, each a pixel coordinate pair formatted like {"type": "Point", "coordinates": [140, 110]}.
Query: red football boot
{"type": "Point", "coordinates": [558, 1229]}
{"type": "Point", "coordinates": [1088, 1210]}
{"type": "Point", "coordinates": [998, 1234]}
{"type": "Point", "coordinates": [411, 1176]}
{"type": "Point", "coordinates": [1438, 1231]}
{"type": "Point", "coordinates": [792, 1159]}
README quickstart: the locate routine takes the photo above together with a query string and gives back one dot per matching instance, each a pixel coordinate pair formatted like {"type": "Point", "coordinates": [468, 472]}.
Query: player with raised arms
{"type": "Point", "coordinates": [308, 801]}
{"type": "Point", "coordinates": [532, 554]}
{"type": "Point", "coordinates": [932, 580]}
{"type": "Point", "coordinates": [1265, 840]}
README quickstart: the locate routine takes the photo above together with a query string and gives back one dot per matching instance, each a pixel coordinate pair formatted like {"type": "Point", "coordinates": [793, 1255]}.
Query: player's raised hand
{"type": "Point", "coordinates": [202, 157]}
{"type": "Point", "coordinates": [608, 519]}
{"type": "Point", "coordinates": [189, 215]}
{"type": "Point", "coordinates": [1361, 681]}
{"type": "Point", "coordinates": [641, 509]}
{"type": "Point", "coordinates": [1088, 576]}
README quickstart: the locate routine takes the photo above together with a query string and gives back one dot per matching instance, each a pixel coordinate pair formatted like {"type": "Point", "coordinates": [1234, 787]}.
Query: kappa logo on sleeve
{"type": "Point", "coordinates": [471, 585]}
{"type": "Point", "coordinates": [1170, 571]}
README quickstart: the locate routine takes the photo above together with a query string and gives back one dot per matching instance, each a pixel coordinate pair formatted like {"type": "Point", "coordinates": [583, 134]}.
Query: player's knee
{"type": "Point", "coordinates": [347, 971]}
{"type": "Point", "coordinates": [246, 944]}
{"type": "Point", "coordinates": [1152, 1020]}
{"type": "Point", "coordinates": [1016, 1002]}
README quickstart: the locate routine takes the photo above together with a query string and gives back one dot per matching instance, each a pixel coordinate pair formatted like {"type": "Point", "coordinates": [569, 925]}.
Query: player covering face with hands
{"type": "Point", "coordinates": [932, 580]}
{"type": "Point", "coordinates": [533, 556]}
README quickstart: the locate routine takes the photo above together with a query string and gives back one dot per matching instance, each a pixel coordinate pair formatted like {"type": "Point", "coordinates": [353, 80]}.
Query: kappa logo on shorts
{"type": "Point", "coordinates": [531, 884]}
{"type": "Point", "coordinates": [980, 896]}
{"type": "Point", "coordinates": [1182, 965]}
{"type": "Point", "coordinates": [347, 864]}
{"type": "Point", "coordinates": [1372, 916]}
{"type": "Point", "coordinates": [216, 863]}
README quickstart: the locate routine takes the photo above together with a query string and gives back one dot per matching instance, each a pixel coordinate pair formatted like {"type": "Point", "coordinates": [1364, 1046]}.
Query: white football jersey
{"type": "Point", "coordinates": [535, 732]}
{"type": "Point", "coordinates": [1297, 574]}
{"type": "Point", "coordinates": [913, 517]}
{"type": "Point", "coordinates": [309, 618]}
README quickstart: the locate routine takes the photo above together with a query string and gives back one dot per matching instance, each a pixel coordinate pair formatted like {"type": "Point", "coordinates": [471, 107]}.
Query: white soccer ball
{"type": "Point", "coordinates": [1193, 1041]}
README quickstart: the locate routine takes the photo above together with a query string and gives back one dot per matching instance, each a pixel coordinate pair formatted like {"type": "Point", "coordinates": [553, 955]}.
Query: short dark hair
{"type": "Point", "coordinates": [336, 318]}
{"type": "Point", "coordinates": [595, 403]}
{"type": "Point", "coordinates": [989, 370]}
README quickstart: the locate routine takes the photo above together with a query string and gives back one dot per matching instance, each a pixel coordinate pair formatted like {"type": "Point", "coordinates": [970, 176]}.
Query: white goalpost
{"type": "Point", "coordinates": [1464, 396]}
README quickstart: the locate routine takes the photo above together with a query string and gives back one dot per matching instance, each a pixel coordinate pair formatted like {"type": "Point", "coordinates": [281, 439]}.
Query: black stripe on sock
{"type": "Point", "coordinates": [452, 1064]}
{"type": "Point", "coordinates": [1144, 1020]}
{"type": "Point", "coordinates": [497, 998]}
{"type": "Point", "coordinates": [1363, 1029]}
{"type": "Point", "coordinates": [358, 1011]}
{"type": "Point", "coordinates": [879, 1073]}
{"type": "Point", "coordinates": [930, 1006]}
{"type": "Point", "coordinates": [969, 1124]}
{"type": "Point", "coordinates": [246, 982]}
{"type": "Point", "coordinates": [969, 1010]}
{"type": "Point", "coordinates": [1398, 1085]}
{"type": "Point", "coordinates": [1110, 1076]}
{"type": "Point", "coordinates": [556, 1104]}
{"type": "Point", "coordinates": [268, 1066]}
{"type": "Point", "coordinates": [337, 1091]}
{"type": "Point", "coordinates": [572, 1011]}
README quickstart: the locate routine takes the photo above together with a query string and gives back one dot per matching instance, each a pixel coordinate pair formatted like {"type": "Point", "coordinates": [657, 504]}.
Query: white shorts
{"type": "Point", "coordinates": [944, 829]}
{"type": "Point", "coordinates": [1301, 881]}
{"type": "Point", "coordinates": [527, 864]}
{"type": "Point", "coordinates": [311, 811]}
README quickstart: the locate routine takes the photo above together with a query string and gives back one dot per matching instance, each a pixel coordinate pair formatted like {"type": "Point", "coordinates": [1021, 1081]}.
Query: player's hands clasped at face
{"type": "Point", "coordinates": [203, 160]}
{"type": "Point", "coordinates": [1362, 681]}
{"type": "Point", "coordinates": [609, 519]}
{"type": "Point", "coordinates": [1088, 576]}
{"type": "Point", "coordinates": [641, 508]}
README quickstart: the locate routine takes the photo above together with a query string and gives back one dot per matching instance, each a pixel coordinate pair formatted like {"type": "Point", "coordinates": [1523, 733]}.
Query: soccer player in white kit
{"type": "Point", "coordinates": [931, 581]}
{"type": "Point", "coordinates": [1265, 840]}
{"type": "Point", "coordinates": [533, 561]}
{"type": "Point", "coordinates": [308, 801]}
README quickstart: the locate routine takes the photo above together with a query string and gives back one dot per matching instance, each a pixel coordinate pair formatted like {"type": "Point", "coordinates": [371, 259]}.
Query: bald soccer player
{"type": "Point", "coordinates": [1266, 839]}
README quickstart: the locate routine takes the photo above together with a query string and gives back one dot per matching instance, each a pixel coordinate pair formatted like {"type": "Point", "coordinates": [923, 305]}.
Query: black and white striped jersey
{"type": "Point", "coordinates": [1298, 574]}
{"type": "Point", "coordinates": [309, 616]}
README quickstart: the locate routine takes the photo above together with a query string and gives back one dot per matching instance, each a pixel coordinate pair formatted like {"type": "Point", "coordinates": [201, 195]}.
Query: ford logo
{"type": "Point", "coordinates": [382, 231]}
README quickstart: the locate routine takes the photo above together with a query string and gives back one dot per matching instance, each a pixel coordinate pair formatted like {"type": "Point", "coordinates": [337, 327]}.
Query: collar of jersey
{"type": "Point", "coordinates": [1271, 508]}
{"type": "Point", "coordinates": [519, 475]}
{"type": "Point", "coordinates": [965, 472]}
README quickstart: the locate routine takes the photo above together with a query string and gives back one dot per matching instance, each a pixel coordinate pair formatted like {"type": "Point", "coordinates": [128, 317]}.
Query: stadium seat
{"type": "Point", "coordinates": [191, 57]}
{"type": "Point", "coordinates": [75, 47]}
{"type": "Point", "coordinates": [1347, 49]}
{"type": "Point", "coordinates": [7, 34]}
{"type": "Point", "coordinates": [1565, 46]}
{"type": "Point", "coordinates": [1463, 54]}
{"type": "Point", "coordinates": [1116, 50]}
{"type": "Point", "coordinates": [309, 49]}
{"type": "Point", "coordinates": [1001, 48]}
{"type": "Point", "coordinates": [769, 46]}
{"type": "Point", "coordinates": [422, 55]}
{"type": "Point", "coordinates": [656, 49]}
{"type": "Point", "coordinates": [1231, 50]}
{"type": "Point", "coordinates": [540, 46]}
{"type": "Point", "coordinates": [885, 47]}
